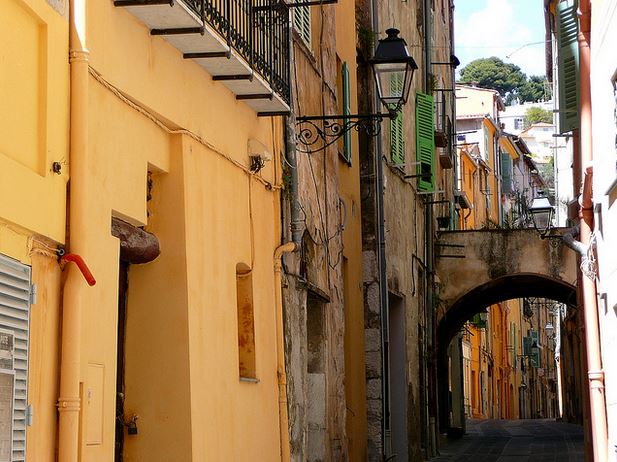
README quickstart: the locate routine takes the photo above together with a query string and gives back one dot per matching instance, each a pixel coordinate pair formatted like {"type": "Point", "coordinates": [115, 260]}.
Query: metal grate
{"type": "Point", "coordinates": [258, 30]}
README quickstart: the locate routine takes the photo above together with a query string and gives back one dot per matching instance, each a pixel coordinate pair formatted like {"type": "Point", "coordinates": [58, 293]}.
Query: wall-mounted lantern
{"type": "Point", "coordinates": [393, 69]}
{"type": "Point", "coordinates": [542, 215]}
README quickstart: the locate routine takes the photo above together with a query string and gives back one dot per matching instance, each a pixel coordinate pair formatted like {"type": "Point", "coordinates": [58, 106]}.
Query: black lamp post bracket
{"type": "Point", "coordinates": [316, 133]}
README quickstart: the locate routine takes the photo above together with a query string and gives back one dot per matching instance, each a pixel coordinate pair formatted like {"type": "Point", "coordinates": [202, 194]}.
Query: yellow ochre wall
{"type": "Point", "coordinates": [181, 335]}
{"type": "Point", "coordinates": [34, 113]}
{"type": "Point", "coordinates": [33, 117]}
{"type": "Point", "coordinates": [349, 175]}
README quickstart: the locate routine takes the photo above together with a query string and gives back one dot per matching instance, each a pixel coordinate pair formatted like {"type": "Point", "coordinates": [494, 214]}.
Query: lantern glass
{"type": "Point", "coordinates": [549, 329]}
{"type": "Point", "coordinates": [541, 214]}
{"type": "Point", "coordinates": [393, 68]}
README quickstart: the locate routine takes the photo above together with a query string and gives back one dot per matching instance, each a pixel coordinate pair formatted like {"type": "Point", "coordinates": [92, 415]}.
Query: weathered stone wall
{"type": "Point", "coordinates": [490, 254]}
{"type": "Point", "coordinates": [405, 234]}
{"type": "Point", "coordinates": [314, 278]}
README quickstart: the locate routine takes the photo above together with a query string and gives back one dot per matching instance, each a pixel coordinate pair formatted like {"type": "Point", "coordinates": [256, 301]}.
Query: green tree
{"type": "Point", "coordinates": [535, 89]}
{"type": "Point", "coordinates": [493, 73]}
{"type": "Point", "coordinates": [537, 114]}
{"type": "Point", "coordinates": [508, 79]}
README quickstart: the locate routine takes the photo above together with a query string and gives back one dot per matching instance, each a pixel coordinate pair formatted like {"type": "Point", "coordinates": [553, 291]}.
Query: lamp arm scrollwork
{"type": "Point", "coordinates": [316, 133]}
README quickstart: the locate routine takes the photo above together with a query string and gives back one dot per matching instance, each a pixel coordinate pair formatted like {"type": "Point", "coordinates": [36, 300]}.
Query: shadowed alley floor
{"type": "Point", "coordinates": [532, 440]}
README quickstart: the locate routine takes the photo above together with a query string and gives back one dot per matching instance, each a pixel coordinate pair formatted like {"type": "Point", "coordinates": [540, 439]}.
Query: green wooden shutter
{"type": "Point", "coordinates": [526, 346]}
{"type": "Point", "coordinates": [478, 322]}
{"type": "Point", "coordinates": [534, 357]}
{"type": "Point", "coordinates": [506, 173]}
{"type": "Point", "coordinates": [346, 111]}
{"type": "Point", "coordinates": [567, 44]}
{"type": "Point", "coordinates": [397, 138]}
{"type": "Point", "coordinates": [425, 142]}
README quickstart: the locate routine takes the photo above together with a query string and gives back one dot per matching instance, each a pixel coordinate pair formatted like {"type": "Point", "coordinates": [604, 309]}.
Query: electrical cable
{"type": "Point", "coordinates": [181, 131]}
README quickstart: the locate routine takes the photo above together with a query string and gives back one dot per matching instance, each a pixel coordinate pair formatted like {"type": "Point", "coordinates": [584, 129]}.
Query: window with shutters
{"type": "Point", "coordinates": [507, 177]}
{"type": "Point", "coordinates": [14, 338]}
{"type": "Point", "coordinates": [518, 123]}
{"type": "Point", "coordinates": [425, 142]}
{"type": "Point", "coordinates": [302, 23]}
{"type": "Point", "coordinates": [397, 136]}
{"type": "Point", "coordinates": [567, 44]}
{"type": "Point", "coordinates": [246, 322]}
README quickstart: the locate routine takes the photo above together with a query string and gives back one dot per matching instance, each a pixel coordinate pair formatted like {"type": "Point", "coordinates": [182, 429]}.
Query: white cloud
{"type": "Point", "coordinates": [501, 23]}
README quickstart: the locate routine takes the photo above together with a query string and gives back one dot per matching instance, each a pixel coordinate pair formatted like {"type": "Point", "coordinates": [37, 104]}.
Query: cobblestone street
{"type": "Point", "coordinates": [516, 441]}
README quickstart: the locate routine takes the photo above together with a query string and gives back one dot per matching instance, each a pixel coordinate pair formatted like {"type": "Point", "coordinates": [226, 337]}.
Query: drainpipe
{"type": "Point", "coordinates": [297, 226]}
{"type": "Point", "coordinates": [296, 241]}
{"type": "Point", "coordinates": [592, 333]}
{"type": "Point", "coordinates": [570, 241]}
{"type": "Point", "coordinates": [428, 257]}
{"type": "Point", "coordinates": [383, 279]}
{"type": "Point", "coordinates": [69, 399]}
{"type": "Point", "coordinates": [280, 350]}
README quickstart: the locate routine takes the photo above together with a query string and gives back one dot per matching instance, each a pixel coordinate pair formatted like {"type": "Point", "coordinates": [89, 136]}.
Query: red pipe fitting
{"type": "Point", "coordinates": [81, 264]}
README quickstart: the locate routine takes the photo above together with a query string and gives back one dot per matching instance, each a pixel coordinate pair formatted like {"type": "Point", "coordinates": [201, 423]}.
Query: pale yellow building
{"type": "Point", "coordinates": [164, 123]}
{"type": "Point", "coordinates": [492, 340]}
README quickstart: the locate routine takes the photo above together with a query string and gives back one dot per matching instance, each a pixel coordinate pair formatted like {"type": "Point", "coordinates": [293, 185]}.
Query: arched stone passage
{"type": "Point", "coordinates": [476, 300]}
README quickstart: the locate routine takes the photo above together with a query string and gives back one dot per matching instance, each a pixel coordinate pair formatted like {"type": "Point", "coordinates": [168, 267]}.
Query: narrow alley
{"type": "Point", "coordinates": [308, 230]}
{"type": "Point", "coordinates": [527, 440]}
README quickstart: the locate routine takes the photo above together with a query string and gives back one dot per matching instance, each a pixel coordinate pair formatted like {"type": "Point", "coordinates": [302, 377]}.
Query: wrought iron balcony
{"type": "Point", "coordinates": [244, 44]}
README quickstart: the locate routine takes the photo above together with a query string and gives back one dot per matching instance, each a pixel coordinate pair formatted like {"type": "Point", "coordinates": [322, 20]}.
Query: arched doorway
{"type": "Point", "coordinates": [476, 300]}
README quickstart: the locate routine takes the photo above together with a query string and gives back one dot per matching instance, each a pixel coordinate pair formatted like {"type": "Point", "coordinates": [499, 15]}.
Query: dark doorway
{"type": "Point", "coordinates": [123, 283]}
{"type": "Point", "coordinates": [398, 377]}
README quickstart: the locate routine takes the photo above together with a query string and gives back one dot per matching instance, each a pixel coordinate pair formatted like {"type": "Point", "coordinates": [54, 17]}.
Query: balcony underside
{"type": "Point", "coordinates": [182, 28]}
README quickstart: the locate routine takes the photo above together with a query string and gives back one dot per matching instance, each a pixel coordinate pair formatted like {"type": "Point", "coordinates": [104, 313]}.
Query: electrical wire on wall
{"type": "Point", "coordinates": [181, 131]}
{"type": "Point", "coordinates": [323, 215]}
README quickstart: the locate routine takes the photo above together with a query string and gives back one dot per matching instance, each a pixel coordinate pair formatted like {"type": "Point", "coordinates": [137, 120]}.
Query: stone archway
{"type": "Point", "coordinates": [475, 301]}
{"type": "Point", "coordinates": [492, 266]}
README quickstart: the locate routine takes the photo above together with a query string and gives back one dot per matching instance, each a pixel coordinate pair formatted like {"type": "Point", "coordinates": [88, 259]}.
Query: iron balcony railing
{"type": "Point", "coordinates": [256, 29]}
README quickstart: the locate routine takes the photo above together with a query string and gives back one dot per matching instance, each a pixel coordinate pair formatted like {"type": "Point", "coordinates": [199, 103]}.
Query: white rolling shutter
{"type": "Point", "coordinates": [302, 22]}
{"type": "Point", "coordinates": [14, 337]}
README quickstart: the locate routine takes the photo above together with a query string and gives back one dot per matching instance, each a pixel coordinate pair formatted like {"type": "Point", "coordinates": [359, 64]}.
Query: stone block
{"type": "Point", "coordinates": [373, 389]}
{"type": "Point", "coordinates": [373, 364]}
{"type": "Point", "coordinates": [372, 298]}
{"type": "Point", "coordinates": [369, 266]}
{"type": "Point", "coordinates": [372, 340]}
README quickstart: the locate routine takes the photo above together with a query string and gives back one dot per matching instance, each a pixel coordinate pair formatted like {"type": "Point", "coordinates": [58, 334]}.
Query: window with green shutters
{"type": "Point", "coordinates": [507, 175]}
{"type": "Point", "coordinates": [530, 351]}
{"type": "Point", "coordinates": [397, 137]}
{"type": "Point", "coordinates": [478, 321]}
{"type": "Point", "coordinates": [425, 142]}
{"type": "Point", "coordinates": [567, 44]}
{"type": "Point", "coordinates": [346, 111]}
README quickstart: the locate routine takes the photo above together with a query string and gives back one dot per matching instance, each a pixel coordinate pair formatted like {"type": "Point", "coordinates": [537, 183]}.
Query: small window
{"type": "Point", "coordinates": [246, 322]}
{"type": "Point", "coordinates": [302, 23]}
{"type": "Point", "coordinates": [14, 343]}
{"type": "Point", "coordinates": [518, 123]}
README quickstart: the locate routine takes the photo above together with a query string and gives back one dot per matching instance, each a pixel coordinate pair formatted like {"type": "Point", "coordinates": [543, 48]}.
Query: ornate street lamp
{"type": "Point", "coordinates": [542, 215]}
{"type": "Point", "coordinates": [393, 69]}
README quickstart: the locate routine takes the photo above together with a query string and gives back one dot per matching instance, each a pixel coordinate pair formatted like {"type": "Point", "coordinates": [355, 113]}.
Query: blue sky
{"type": "Point", "coordinates": [485, 28]}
